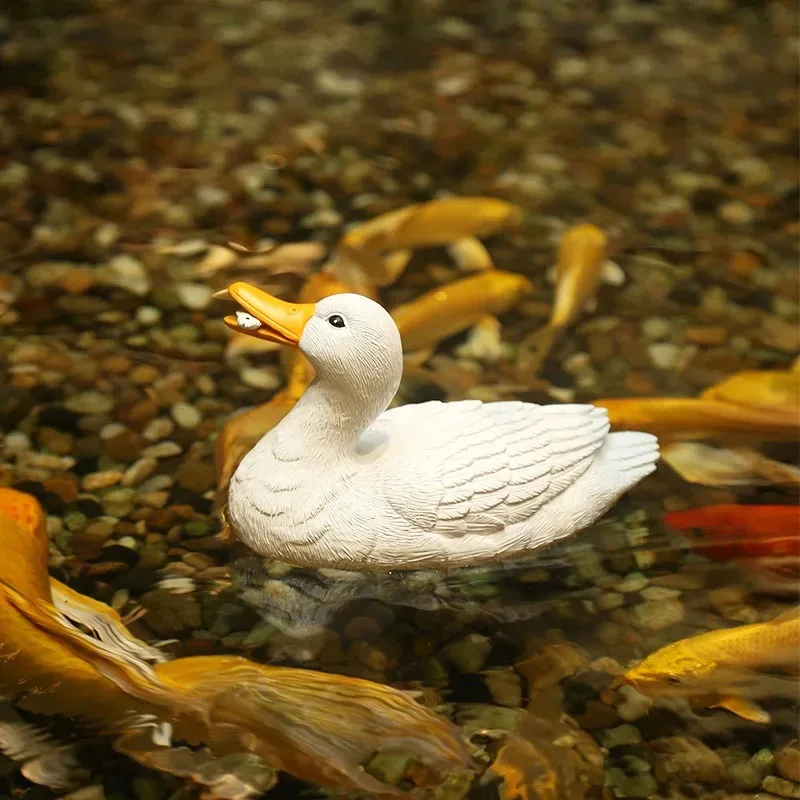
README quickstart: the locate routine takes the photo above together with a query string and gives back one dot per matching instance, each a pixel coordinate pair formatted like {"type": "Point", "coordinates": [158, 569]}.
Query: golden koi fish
{"type": "Point", "coordinates": [377, 251]}
{"type": "Point", "coordinates": [689, 418]}
{"type": "Point", "coordinates": [240, 719]}
{"type": "Point", "coordinates": [767, 389]}
{"type": "Point", "coordinates": [436, 222]}
{"type": "Point", "coordinates": [451, 309]}
{"type": "Point", "coordinates": [581, 255]}
{"type": "Point", "coordinates": [720, 669]}
{"type": "Point", "coordinates": [701, 463]}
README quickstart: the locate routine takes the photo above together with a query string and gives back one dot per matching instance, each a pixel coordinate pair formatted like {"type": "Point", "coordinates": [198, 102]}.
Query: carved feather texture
{"type": "Point", "coordinates": [341, 482]}
{"type": "Point", "coordinates": [478, 468]}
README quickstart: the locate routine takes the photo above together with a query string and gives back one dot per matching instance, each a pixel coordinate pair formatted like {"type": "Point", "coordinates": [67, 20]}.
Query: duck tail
{"type": "Point", "coordinates": [625, 459]}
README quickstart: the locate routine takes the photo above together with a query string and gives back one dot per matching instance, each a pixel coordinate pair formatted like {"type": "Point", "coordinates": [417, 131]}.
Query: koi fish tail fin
{"type": "Point", "coordinates": [318, 727]}
{"type": "Point", "coordinates": [535, 348]}
{"type": "Point", "coordinates": [42, 760]}
{"type": "Point", "coordinates": [104, 622]}
{"type": "Point", "coordinates": [230, 777]}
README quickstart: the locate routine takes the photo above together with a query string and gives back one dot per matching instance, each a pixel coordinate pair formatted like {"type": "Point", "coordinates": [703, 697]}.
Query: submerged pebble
{"type": "Point", "coordinates": [655, 615]}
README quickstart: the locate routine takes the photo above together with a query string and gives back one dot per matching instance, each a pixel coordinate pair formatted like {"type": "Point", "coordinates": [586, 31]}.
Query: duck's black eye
{"type": "Point", "coordinates": [336, 321]}
{"type": "Point", "coordinates": [674, 681]}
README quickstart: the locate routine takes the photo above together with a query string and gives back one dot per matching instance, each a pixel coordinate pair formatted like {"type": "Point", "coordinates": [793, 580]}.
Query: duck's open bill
{"type": "Point", "coordinates": [267, 317]}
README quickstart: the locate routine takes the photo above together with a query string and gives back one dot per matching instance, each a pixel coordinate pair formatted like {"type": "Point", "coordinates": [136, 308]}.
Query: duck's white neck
{"type": "Point", "coordinates": [334, 411]}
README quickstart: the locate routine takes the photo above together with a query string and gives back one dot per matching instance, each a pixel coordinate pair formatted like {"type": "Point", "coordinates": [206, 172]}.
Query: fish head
{"type": "Point", "coordinates": [670, 672]}
{"type": "Point", "coordinates": [24, 509]}
{"type": "Point", "coordinates": [505, 289]}
{"type": "Point", "coordinates": [715, 532]}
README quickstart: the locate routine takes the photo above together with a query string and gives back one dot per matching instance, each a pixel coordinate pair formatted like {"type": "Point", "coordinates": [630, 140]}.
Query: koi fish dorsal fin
{"type": "Point", "coordinates": [130, 675]}
{"type": "Point", "coordinates": [103, 621]}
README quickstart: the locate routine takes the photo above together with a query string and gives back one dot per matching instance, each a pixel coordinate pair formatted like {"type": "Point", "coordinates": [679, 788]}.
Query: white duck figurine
{"type": "Point", "coordinates": [341, 482]}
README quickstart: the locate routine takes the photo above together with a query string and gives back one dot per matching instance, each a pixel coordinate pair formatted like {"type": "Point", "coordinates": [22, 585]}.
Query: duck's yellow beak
{"type": "Point", "coordinates": [267, 317]}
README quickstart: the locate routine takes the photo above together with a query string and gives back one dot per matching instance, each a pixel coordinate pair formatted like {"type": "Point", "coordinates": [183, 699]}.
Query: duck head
{"type": "Point", "coordinates": [351, 341]}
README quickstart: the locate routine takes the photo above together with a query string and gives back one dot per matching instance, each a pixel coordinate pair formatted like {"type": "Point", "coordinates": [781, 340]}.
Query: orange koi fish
{"type": "Point", "coordinates": [727, 532]}
{"type": "Point", "coordinates": [241, 721]}
{"type": "Point", "coordinates": [763, 538]}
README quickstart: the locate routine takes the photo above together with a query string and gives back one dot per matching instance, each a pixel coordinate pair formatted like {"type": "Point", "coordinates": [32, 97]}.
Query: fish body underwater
{"type": "Point", "coordinates": [761, 538]}
{"type": "Point", "coordinates": [725, 668]}
{"type": "Point", "coordinates": [452, 308]}
{"type": "Point", "coordinates": [319, 727]}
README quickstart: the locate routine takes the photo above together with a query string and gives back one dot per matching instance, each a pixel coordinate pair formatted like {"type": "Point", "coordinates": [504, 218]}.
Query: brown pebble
{"type": "Point", "coordinates": [205, 429]}
{"type": "Point", "coordinates": [718, 359]}
{"type": "Point", "coordinates": [139, 414]}
{"type": "Point", "coordinates": [95, 481]}
{"type": "Point", "coordinates": [56, 442]}
{"type": "Point", "coordinates": [600, 348]}
{"type": "Point", "coordinates": [362, 628]}
{"type": "Point", "coordinates": [66, 488]}
{"type": "Point", "coordinates": [705, 335]}
{"type": "Point", "coordinates": [631, 349]}
{"type": "Point", "coordinates": [24, 380]}
{"type": "Point", "coordinates": [126, 528]}
{"type": "Point", "coordinates": [164, 519]}
{"type": "Point", "coordinates": [107, 568]}
{"type": "Point", "coordinates": [217, 541]}
{"type": "Point", "coordinates": [787, 761]}
{"type": "Point", "coordinates": [638, 383]}
{"type": "Point", "coordinates": [198, 561]}
{"type": "Point", "coordinates": [138, 471]}
{"type": "Point", "coordinates": [597, 716]}
{"type": "Point", "coordinates": [144, 375]}
{"type": "Point", "coordinates": [214, 573]}
{"type": "Point", "coordinates": [553, 663]}
{"type": "Point", "coordinates": [174, 534]}
{"type": "Point", "coordinates": [125, 446]}
{"type": "Point", "coordinates": [116, 365]}
{"type": "Point", "coordinates": [85, 371]}
{"type": "Point", "coordinates": [152, 499]}
{"type": "Point", "coordinates": [744, 264]}
{"type": "Point", "coordinates": [371, 656]}
{"type": "Point", "coordinates": [89, 542]}
{"type": "Point", "coordinates": [782, 335]}
{"type": "Point", "coordinates": [685, 583]}
{"type": "Point", "coordinates": [77, 280]}
{"type": "Point", "coordinates": [198, 647]}
{"type": "Point", "coordinates": [195, 476]}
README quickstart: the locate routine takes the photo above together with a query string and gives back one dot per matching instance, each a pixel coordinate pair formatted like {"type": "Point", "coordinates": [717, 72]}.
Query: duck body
{"type": "Point", "coordinates": [341, 482]}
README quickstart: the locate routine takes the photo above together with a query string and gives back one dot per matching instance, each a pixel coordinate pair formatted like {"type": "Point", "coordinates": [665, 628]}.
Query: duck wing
{"type": "Point", "coordinates": [473, 467]}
